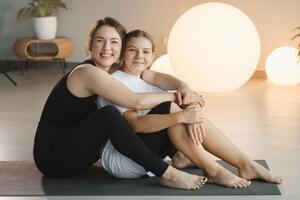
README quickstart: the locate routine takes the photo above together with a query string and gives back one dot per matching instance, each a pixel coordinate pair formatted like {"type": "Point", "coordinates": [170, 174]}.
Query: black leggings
{"type": "Point", "coordinates": [158, 142]}
{"type": "Point", "coordinates": [75, 150]}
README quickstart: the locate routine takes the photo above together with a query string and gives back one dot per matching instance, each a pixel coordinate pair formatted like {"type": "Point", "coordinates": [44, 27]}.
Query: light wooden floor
{"type": "Point", "coordinates": [263, 119]}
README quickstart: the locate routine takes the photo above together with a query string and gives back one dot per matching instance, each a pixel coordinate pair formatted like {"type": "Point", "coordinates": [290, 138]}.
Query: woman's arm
{"type": "Point", "coordinates": [155, 122]}
{"type": "Point", "coordinates": [97, 81]}
{"type": "Point", "coordinates": [184, 93]}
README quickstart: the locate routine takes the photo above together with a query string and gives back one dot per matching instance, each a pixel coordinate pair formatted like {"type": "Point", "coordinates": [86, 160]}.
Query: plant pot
{"type": "Point", "coordinates": [45, 27]}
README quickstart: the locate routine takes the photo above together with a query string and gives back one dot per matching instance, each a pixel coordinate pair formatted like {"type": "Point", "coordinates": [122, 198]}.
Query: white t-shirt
{"type": "Point", "coordinates": [113, 161]}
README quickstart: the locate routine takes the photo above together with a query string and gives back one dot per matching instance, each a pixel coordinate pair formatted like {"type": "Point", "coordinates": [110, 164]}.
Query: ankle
{"type": "Point", "coordinates": [168, 173]}
{"type": "Point", "coordinates": [244, 165]}
{"type": "Point", "coordinates": [212, 171]}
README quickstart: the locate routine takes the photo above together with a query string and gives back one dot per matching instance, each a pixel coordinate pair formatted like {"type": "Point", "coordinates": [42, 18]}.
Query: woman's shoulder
{"type": "Point", "coordinates": [86, 75]}
{"type": "Point", "coordinates": [84, 69]}
{"type": "Point", "coordinates": [78, 81]}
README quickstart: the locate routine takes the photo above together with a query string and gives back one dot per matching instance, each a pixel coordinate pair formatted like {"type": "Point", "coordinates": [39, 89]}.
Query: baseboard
{"type": "Point", "coordinates": [12, 65]}
{"type": "Point", "coordinates": [15, 65]}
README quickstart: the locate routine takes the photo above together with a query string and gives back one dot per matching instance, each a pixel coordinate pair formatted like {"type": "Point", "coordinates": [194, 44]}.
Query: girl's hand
{"type": "Point", "coordinates": [196, 132]}
{"type": "Point", "coordinates": [191, 114]}
{"type": "Point", "coordinates": [186, 96]}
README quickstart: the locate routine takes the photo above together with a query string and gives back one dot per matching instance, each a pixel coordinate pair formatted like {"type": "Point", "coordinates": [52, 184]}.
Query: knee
{"type": "Point", "coordinates": [174, 108]}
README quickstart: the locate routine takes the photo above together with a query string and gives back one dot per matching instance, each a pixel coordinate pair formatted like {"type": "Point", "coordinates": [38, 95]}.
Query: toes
{"type": "Point", "coordinates": [199, 183]}
{"type": "Point", "coordinates": [202, 180]}
{"type": "Point", "coordinates": [196, 186]}
{"type": "Point", "coordinates": [242, 183]}
{"type": "Point", "coordinates": [273, 179]}
{"type": "Point", "coordinates": [245, 183]}
{"type": "Point", "coordinates": [278, 180]}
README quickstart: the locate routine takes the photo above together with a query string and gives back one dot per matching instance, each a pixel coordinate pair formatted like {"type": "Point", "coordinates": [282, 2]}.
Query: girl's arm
{"type": "Point", "coordinates": [184, 93]}
{"type": "Point", "coordinates": [163, 81]}
{"type": "Point", "coordinates": [97, 81]}
{"type": "Point", "coordinates": [155, 122]}
{"type": "Point", "coordinates": [152, 122]}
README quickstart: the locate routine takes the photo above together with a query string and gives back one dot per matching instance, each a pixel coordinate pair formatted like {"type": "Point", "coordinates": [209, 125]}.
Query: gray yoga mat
{"type": "Point", "coordinates": [21, 178]}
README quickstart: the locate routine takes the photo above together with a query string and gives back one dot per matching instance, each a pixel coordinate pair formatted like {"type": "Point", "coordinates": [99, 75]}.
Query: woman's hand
{"type": "Point", "coordinates": [186, 96]}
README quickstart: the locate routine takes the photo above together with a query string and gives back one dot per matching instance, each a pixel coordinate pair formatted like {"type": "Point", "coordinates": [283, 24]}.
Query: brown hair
{"type": "Point", "coordinates": [107, 21]}
{"type": "Point", "coordinates": [135, 34]}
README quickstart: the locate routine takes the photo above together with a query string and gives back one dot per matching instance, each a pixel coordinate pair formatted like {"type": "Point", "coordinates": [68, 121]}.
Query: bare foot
{"type": "Point", "coordinates": [222, 176]}
{"type": "Point", "coordinates": [178, 179]}
{"type": "Point", "coordinates": [253, 170]}
{"type": "Point", "coordinates": [180, 161]}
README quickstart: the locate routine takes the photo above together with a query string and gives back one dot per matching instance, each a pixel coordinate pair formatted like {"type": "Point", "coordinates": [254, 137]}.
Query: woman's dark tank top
{"type": "Point", "coordinates": [64, 110]}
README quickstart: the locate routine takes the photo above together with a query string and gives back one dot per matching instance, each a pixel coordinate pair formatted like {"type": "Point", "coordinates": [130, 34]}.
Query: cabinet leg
{"type": "Point", "coordinates": [62, 65]}
{"type": "Point", "coordinates": [12, 80]}
{"type": "Point", "coordinates": [23, 66]}
{"type": "Point", "coordinates": [65, 64]}
{"type": "Point", "coordinates": [7, 76]}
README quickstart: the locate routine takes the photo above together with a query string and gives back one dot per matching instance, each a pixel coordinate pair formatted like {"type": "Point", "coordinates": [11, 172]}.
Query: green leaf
{"type": "Point", "coordinates": [41, 8]}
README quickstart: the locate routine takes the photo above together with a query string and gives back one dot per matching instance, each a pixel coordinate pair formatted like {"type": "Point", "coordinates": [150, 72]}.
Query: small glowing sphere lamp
{"type": "Point", "coordinates": [214, 47]}
{"type": "Point", "coordinates": [162, 64]}
{"type": "Point", "coordinates": [282, 67]}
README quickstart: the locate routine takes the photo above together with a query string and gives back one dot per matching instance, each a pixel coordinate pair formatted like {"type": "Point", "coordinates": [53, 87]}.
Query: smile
{"type": "Point", "coordinates": [138, 62]}
{"type": "Point", "coordinates": [106, 55]}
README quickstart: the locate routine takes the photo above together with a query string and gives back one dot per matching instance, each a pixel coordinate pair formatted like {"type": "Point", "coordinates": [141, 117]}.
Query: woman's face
{"type": "Point", "coordinates": [138, 55]}
{"type": "Point", "coordinates": [106, 47]}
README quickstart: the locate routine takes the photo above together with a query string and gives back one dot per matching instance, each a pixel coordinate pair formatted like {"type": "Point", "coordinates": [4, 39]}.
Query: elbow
{"type": "Point", "coordinates": [136, 125]}
{"type": "Point", "coordinates": [138, 104]}
{"type": "Point", "coordinates": [136, 128]}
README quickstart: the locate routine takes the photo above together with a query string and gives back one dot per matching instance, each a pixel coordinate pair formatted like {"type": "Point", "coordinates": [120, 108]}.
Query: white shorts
{"type": "Point", "coordinates": [119, 165]}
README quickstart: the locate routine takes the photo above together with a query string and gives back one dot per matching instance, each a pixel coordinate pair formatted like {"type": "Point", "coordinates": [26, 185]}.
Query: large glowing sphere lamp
{"type": "Point", "coordinates": [214, 47]}
{"type": "Point", "coordinates": [282, 67]}
{"type": "Point", "coordinates": [162, 64]}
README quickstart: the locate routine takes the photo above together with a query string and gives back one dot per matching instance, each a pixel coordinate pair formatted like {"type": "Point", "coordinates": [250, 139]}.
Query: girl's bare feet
{"type": "Point", "coordinates": [253, 170]}
{"type": "Point", "coordinates": [180, 161]}
{"type": "Point", "coordinates": [222, 176]}
{"type": "Point", "coordinates": [219, 175]}
{"type": "Point", "coordinates": [178, 179]}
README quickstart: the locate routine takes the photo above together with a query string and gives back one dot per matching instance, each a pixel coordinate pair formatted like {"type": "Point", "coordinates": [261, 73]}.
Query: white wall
{"type": "Point", "coordinates": [274, 19]}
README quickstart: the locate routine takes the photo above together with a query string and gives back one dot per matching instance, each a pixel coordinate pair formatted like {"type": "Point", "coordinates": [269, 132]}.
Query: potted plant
{"type": "Point", "coordinates": [296, 36]}
{"type": "Point", "coordinates": [42, 12]}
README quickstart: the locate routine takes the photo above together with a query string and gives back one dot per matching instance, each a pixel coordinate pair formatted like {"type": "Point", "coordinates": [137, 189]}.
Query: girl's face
{"type": "Point", "coordinates": [106, 47]}
{"type": "Point", "coordinates": [138, 56]}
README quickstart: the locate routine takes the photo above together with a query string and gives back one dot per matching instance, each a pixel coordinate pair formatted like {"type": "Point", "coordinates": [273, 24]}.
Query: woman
{"type": "Point", "coordinates": [72, 131]}
{"type": "Point", "coordinates": [138, 56]}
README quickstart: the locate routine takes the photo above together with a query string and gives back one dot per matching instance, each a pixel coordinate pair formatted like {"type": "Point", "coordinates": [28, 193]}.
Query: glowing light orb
{"type": "Point", "coordinates": [163, 65]}
{"type": "Point", "coordinates": [282, 67]}
{"type": "Point", "coordinates": [214, 47]}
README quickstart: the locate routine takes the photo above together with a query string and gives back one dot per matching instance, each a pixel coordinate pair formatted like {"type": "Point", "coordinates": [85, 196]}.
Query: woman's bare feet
{"type": "Point", "coordinates": [180, 161]}
{"type": "Point", "coordinates": [178, 179]}
{"type": "Point", "coordinates": [253, 170]}
{"type": "Point", "coordinates": [222, 176]}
